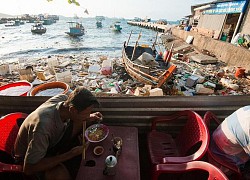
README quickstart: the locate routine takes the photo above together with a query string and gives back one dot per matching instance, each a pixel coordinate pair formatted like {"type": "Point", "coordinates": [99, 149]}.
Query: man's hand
{"type": "Point", "coordinates": [76, 150]}
{"type": "Point", "coordinates": [97, 116]}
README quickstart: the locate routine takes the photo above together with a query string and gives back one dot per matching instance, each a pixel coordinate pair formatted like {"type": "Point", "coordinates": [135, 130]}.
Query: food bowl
{"type": "Point", "coordinates": [20, 88]}
{"type": "Point", "coordinates": [98, 150]}
{"type": "Point", "coordinates": [96, 133]}
{"type": "Point", "coordinates": [50, 89]}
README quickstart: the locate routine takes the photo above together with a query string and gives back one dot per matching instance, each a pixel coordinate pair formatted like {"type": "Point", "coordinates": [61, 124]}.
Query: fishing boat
{"type": "Point", "coordinates": [99, 20]}
{"type": "Point", "coordinates": [116, 26]}
{"type": "Point", "coordinates": [38, 28]}
{"type": "Point", "coordinates": [98, 24]}
{"type": "Point", "coordinates": [75, 29]}
{"type": "Point", "coordinates": [140, 64]}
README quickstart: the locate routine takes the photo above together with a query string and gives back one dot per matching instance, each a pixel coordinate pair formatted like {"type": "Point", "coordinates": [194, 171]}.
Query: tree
{"type": "Point", "coordinates": [70, 2]}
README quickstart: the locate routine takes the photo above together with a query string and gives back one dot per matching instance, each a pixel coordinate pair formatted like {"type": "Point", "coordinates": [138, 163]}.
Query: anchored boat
{"type": "Point", "coordinates": [98, 24]}
{"type": "Point", "coordinates": [116, 27]}
{"type": "Point", "coordinates": [38, 28]}
{"type": "Point", "coordinates": [75, 29]}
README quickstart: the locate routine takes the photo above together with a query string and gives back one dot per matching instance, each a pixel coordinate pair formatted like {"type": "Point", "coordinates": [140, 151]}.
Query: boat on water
{"type": "Point", "coordinates": [140, 64]}
{"type": "Point", "coordinates": [75, 29]}
{"type": "Point", "coordinates": [98, 24]}
{"type": "Point", "coordinates": [100, 18]}
{"type": "Point", "coordinates": [38, 28]}
{"type": "Point", "coordinates": [48, 21]}
{"type": "Point", "coordinates": [116, 26]}
{"type": "Point", "coordinates": [12, 23]}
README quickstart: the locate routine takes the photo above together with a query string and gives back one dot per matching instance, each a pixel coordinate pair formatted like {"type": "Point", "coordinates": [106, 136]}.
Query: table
{"type": "Point", "coordinates": [128, 166]}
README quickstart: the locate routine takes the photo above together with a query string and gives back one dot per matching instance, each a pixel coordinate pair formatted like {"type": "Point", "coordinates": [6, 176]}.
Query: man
{"type": "Point", "coordinates": [47, 143]}
{"type": "Point", "coordinates": [232, 138]}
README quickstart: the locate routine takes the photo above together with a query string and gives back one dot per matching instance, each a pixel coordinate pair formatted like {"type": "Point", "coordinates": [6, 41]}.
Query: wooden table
{"type": "Point", "coordinates": [128, 166]}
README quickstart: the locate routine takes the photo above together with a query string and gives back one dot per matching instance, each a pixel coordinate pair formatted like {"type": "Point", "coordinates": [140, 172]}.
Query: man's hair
{"type": "Point", "coordinates": [81, 98]}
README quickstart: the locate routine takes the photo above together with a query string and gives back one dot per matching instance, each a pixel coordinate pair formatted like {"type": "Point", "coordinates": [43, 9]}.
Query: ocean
{"type": "Point", "coordinates": [19, 43]}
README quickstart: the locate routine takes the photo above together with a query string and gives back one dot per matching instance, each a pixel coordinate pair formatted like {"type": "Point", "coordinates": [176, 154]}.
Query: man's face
{"type": "Point", "coordinates": [81, 115]}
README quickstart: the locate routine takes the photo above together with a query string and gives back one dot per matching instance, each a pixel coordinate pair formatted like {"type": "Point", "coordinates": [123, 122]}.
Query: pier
{"type": "Point", "coordinates": [151, 25]}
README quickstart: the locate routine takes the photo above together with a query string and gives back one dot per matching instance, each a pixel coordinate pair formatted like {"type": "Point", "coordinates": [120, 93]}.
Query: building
{"type": "Point", "coordinates": [221, 19]}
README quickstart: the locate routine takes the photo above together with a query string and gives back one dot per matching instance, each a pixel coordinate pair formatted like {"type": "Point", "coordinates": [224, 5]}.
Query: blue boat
{"type": "Point", "coordinates": [98, 24]}
{"type": "Point", "coordinates": [116, 27]}
{"type": "Point", "coordinates": [75, 29]}
{"type": "Point", "coordinates": [47, 21]}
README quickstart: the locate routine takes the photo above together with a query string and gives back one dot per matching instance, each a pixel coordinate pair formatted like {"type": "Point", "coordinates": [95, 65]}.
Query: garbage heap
{"type": "Point", "coordinates": [106, 76]}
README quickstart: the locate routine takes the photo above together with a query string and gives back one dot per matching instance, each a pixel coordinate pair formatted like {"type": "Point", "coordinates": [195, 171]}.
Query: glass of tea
{"type": "Point", "coordinates": [117, 145]}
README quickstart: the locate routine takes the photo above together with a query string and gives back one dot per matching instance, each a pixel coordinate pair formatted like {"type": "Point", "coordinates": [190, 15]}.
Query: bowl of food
{"type": "Point", "coordinates": [96, 132]}
{"type": "Point", "coordinates": [98, 150]}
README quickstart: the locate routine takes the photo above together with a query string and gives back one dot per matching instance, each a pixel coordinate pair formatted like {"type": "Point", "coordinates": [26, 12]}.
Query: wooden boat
{"type": "Point", "coordinates": [75, 29]}
{"type": "Point", "coordinates": [38, 28]}
{"type": "Point", "coordinates": [116, 27]}
{"type": "Point", "coordinates": [155, 76]}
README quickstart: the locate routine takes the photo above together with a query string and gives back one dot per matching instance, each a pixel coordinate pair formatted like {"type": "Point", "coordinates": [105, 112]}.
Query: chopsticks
{"type": "Point", "coordinates": [83, 141]}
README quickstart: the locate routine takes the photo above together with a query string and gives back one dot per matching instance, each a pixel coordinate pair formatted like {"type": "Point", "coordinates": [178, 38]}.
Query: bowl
{"type": "Point", "coordinates": [96, 133]}
{"type": "Point", "coordinates": [98, 150]}
{"type": "Point", "coordinates": [50, 89]}
{"type": "Point", "coordinates": [20, 88]}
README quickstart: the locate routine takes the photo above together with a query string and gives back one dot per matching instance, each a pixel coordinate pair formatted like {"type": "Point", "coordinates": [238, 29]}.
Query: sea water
{"type": "Point", "coordinates": [19, 43]}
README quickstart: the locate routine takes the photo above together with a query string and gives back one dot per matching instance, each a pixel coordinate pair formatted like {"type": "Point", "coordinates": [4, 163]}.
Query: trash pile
{"type": "Point", "coordinates": [196, 75]}
{"type": "Point", "coordinates": [242, 40]}
{"type": "Point", "coordinates": [200, 73]}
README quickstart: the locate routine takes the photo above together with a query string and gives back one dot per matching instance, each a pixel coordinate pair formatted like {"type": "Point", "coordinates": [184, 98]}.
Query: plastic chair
{"type": "Point", "coordinates": [9, 127]}
{"type": "Point", "coordinates": [196, 166]}
{"type": "Point", "coordinates": [190, 144]}
{"type": "Point", "coordinates": [215, 159]}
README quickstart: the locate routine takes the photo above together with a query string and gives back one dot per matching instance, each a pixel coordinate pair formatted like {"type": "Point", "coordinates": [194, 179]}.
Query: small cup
{"type": "Point", "coordinates": [98, 150]}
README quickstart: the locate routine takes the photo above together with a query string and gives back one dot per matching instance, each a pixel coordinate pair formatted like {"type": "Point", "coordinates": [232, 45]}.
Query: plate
{"type": "Point", "coordinates": [96, 133]}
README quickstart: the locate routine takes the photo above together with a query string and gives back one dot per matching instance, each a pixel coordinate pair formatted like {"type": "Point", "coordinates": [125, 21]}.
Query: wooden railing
{"type": "Point", "coordinates": [138, 111]}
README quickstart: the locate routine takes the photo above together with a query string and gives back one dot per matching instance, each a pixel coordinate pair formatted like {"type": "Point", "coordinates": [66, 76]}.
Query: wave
{"type": "Point", "coordinates": [52, 51]}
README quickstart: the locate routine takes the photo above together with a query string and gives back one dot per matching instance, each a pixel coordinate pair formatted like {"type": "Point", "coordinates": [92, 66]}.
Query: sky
{"type": "Point", "coordinates": [154, 9]}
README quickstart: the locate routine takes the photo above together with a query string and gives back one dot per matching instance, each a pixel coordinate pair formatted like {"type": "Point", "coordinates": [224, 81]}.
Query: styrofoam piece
{"type": "Point", "coordinates": [4, 69]}
{"type": "Point", "coordinates": [64, 76]}
{"type": "Point", "coordinates": [13, 67]}
{"type": "Point", "coordinates": [94, 68]}
{"type": "Point", "coordinates": [200, 89]}
{"type": "Point", "coordinates": [189, 39]}
{"type": "Point", "coordinates": [52, 62]}
{"type": "Point", "coordinates": [156, 92]}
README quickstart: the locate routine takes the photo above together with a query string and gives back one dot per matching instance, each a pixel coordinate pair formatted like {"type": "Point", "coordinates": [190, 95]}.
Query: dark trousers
{"type": "Point", "coordinates": [65, 144]}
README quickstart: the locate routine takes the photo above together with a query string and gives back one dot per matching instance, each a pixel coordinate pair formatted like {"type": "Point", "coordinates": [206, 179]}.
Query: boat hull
{"type": "Point", "coordinates": [155, 77]}
{"type": "Point", "coordinates": [39, 31]}
{"type": "Point", "coordinates": [74, 34]}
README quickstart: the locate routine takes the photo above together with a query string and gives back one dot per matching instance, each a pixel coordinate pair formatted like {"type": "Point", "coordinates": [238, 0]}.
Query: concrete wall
{"type": "Point", "coordinates": [224, 51]}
